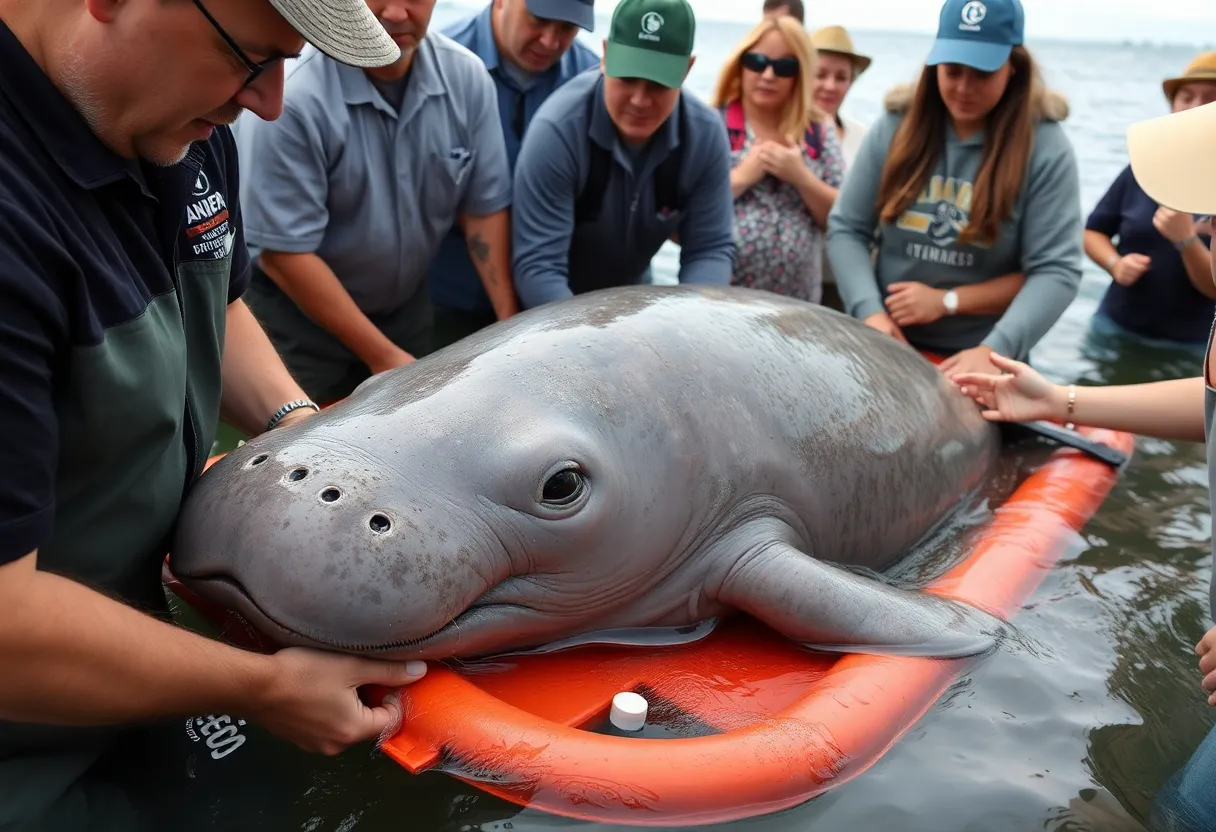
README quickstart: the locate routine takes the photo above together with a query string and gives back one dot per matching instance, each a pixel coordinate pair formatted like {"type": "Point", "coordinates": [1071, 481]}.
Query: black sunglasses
{"type": "Point", "coordinates": [255, 69]}
{"type": "Point", "coordinates": [782, 67]}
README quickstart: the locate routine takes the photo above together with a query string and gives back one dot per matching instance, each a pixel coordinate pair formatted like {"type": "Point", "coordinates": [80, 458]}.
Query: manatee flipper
{"type": "Point", "coordinates": [828, 608]}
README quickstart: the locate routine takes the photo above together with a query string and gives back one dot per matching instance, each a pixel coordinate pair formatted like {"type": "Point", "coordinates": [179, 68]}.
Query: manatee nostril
{"type": "Point", "coordinates": [257, 460]}
{"type": "Point", "coordinates": [298, 474]}
{"type": "Point", "coordinates": [330, 495]}
{"type": "Point", "coordinates": [379, 524]}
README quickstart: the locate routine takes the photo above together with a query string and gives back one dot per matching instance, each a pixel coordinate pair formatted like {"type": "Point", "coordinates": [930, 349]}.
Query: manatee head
{"type": "Point", "coordinates": [456, 507]}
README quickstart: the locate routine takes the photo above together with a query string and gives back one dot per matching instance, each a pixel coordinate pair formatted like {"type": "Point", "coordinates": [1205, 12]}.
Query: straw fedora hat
{"type": "Point", "coordinates": [1202, 68]}
{"type": "Point", "coordinates": [836, 39]}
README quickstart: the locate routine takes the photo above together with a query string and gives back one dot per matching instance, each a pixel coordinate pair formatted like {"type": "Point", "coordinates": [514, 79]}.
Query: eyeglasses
{"type": "Point", "coordinates": [255, 69]}
{"type": "Point", "coordinates": [782, 67]}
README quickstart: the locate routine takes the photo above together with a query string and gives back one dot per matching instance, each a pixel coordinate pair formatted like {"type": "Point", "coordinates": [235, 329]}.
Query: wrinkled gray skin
{"type": "Point", "coordinates": [728, 445]}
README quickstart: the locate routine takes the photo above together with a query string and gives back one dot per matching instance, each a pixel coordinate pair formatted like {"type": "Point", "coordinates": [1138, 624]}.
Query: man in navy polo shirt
{"type": "Point", "coordinates": [122, 340]}
{"type": "Point", "coordinates": [530, 49]}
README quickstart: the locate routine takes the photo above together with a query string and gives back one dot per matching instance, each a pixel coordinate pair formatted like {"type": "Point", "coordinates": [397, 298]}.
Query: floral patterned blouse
{"type": "Point", "coordinates": [778, 246]}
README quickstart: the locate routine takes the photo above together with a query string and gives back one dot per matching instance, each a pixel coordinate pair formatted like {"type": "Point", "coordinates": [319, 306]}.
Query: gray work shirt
{"type": "Point", "coordinates": [553, 258]}
{"type": "Point", "coordinates": [373, 191]}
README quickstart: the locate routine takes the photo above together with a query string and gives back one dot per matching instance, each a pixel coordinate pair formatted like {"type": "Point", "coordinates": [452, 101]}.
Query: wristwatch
{"type": "Point", "coordinates": [950, 301]}
{"type": "Point", "coordinates": [1182, 244]}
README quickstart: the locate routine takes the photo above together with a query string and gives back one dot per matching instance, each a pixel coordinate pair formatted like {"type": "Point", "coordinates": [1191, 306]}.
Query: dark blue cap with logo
{"type": "Point", "coordinates": [579, 12]}
{"type": "Point", "coordinates": [977, 33]}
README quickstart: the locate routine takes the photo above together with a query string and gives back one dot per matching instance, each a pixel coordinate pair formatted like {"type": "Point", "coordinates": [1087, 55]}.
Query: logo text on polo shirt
{"type": "Point", "coordinates": [207, 224]}
{"type": "Point", "coordinates": [221, 734]}
{"type": "Point", "coordinates": [973, 15]}
{"type": "Point", "coordinates": [652, 22]}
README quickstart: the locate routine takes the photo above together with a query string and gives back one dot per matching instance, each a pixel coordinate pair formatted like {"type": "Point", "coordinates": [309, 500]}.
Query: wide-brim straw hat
{"type": "Point", "coordinates": [836, 39]}
{"type": "Point", "coordinates": [1172, 159]}
{"type": "Point", "coordinates": [345, 30]}
{"type": "Point", "coordinates": [1202, 68]}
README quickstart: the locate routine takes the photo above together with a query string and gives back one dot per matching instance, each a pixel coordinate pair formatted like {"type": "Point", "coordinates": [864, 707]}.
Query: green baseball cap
{"type": "Point", "coordinates": [651, 39]}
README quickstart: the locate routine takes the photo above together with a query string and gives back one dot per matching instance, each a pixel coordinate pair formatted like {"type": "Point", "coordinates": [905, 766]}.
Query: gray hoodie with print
{"type": "Point", "coordinates": [1042, 239]}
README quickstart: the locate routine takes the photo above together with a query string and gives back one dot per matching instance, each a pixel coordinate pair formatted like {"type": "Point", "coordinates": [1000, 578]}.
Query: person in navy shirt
{"type": "Point", "coordinates": [124, 339]}
{"type": "Point", "coordinates": [1162, 289]}
{"type": "Point", "coordinates": [530, 49]}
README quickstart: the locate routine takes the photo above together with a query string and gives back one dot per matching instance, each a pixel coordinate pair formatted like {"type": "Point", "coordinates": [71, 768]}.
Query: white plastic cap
{"type": "Point", "coordinates": [628, 711]}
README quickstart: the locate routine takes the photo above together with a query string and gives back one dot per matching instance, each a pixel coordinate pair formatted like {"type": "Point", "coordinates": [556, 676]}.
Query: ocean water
{"type": "Point", "coordinates": [1078, 735]}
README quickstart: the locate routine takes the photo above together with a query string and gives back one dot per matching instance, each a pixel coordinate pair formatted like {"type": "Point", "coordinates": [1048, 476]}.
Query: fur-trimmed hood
{"type": "Point", "coordinates": [1053, 106]}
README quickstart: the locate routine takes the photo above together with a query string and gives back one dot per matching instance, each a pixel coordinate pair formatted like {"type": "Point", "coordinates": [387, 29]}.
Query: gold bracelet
{"type": "Point", "coordinates": [1072, 405]}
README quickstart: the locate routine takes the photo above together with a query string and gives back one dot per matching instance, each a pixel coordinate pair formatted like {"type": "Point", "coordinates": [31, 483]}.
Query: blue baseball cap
{"type": "Point", "coordinates": [977, 33]}
{"type": "Point", "coordinates": [579, 12]}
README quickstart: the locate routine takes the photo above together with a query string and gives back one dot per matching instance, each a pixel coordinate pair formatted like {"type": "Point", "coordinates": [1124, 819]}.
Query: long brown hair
{"type": "Point", "coordinates": [801, 110]}
{"type": "Point", "coordinates": [1008, 143]}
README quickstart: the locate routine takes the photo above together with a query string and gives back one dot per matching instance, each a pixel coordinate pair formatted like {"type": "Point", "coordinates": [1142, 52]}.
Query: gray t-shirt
{"type": "Point", "coordinates": [372, 189]}
{"type": "Point", "coordinates": [521, 78]}
{"type": "Point", "coordinates": [392, 89]}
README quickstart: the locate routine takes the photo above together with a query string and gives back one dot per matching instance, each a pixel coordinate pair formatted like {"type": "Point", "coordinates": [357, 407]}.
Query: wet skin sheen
{"type": "Point", "coordinates": [642, 456]}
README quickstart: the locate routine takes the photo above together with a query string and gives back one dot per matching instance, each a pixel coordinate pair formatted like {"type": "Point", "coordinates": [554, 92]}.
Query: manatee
{"type": "Point", "coordinates": [643, 456]}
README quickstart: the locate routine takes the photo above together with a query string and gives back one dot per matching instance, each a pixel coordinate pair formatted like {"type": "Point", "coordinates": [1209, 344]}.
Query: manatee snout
{"type": "Point", "coordinates": [319, 547]}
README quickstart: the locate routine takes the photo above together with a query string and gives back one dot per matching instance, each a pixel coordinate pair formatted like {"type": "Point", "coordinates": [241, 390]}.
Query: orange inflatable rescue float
{"type": "Point", "coordinates": [759, 723]}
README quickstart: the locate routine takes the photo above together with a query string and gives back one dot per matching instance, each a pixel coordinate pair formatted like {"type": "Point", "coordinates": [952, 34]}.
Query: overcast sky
{"type": "Point", "coordinates": [1169, 21]}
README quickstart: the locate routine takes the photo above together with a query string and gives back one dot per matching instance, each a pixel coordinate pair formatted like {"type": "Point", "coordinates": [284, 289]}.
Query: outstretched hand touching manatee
{"type": "Point", "coordinates": [1020, 395]}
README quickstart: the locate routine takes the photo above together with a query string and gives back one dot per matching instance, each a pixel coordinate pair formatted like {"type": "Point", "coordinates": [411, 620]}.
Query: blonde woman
{"type": "Point", "coordinates": [787, 160]}
{"type": "Point", "coordinates": [968, 189]}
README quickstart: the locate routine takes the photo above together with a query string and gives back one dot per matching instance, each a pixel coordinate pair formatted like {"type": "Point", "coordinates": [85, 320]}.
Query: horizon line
{"type": "Point", "coordinates": [1113, 40]}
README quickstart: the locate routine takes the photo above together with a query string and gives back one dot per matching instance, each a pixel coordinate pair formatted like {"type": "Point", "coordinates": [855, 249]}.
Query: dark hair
{"type": "Point", "coordinates": [794, 6]}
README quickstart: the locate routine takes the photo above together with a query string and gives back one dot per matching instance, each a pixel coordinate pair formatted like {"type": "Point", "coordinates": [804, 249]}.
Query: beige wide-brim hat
{"type": "Point", "coordinates": [345, 30]}
{"type": "Point", "coordinates": [836, 39]}
{"type": "Point", "coordinates": [1202, 68]}
{"type": "Point", "coordinates": [1174, 159]}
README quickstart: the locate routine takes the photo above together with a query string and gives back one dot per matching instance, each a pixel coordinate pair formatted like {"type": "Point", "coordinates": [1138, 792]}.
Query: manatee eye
{"type": "Point", "coordinates": [563, 488]}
